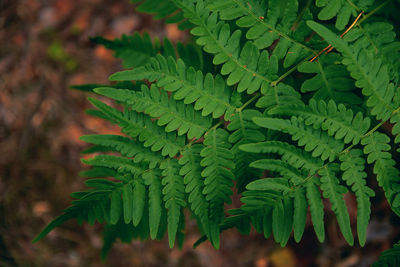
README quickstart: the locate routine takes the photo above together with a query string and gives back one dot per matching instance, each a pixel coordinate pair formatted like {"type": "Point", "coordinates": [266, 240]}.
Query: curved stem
{"type": "Point", "coordinates": [248, 102]}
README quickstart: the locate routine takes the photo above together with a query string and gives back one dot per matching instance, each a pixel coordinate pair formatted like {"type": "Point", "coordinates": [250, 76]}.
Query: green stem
{"type": "Point", "coordinates": [248, 102]}
{"type": "Point", "coordinates": [373, 12]}
{"type": "Point", "coordinates": [353, 5]}
{"type": "Point", "coordinates": [300, 16]}
{"type": "Point", "coordinates": [283, 76]}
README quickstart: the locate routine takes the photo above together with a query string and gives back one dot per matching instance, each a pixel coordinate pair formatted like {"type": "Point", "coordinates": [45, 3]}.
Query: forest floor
{"type": "Point", "coordinates": [45, 48]}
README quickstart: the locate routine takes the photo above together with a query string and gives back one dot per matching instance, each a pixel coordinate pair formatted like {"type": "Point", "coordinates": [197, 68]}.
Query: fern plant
{"type": "Point", "coordinates": [250, 106]}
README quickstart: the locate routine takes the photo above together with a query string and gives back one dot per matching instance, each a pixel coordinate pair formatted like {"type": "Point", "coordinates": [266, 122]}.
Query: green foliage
{"type": "Point", "coordinates": [390, 257]}
{"type": "Point", "coordinates": [270, 119]}
{"type": "Point", "coordinates": [211, 95]}
{"type": "Point", "coordinates": [342, 9]}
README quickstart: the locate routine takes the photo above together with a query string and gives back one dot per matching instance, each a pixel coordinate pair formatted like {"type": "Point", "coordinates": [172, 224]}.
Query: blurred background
{"type": "Point", "coordinates": [45, 48]}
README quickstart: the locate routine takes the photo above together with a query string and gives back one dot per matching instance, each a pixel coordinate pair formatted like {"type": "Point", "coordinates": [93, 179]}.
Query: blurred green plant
{"type": "Point", "coordinates": [57, 53]}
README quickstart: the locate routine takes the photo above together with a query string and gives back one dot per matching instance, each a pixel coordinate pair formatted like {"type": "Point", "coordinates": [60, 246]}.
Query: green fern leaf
{"type": "Point", "coordinates": [98, 172]}
{"type": "Point", "coordinates": [218, 163]}
{"type": "Point", "coordinates": [127, 202]}
{"type": "Point", "coordinates": [139, 200]}
{"type": "Point", "coordinates": [137, 125]}
{"type": "Point", "coordinates": [194, 182]}
{"type": "Point", "coordinates": [373, 78]}
{"type": "Point", "coordinates": [174, 196]}
{"type": "Point", "coordinates": [209, 94]}
{"type": "Point", "coordinates": [101, 184]}
{"type": "Point", "coordinates": [89, 87]}
{"type": "Point", "coordinates": [163, 9]}
{"type": "Point", "coordinates": [395, 120]}
{"type": "Point", "coordinates": [353, 173]}
{"type": "Point", "coordinates": [174, 115]}
{"type": "Point", "coordinates": [388, 176]}
{"type": "Point", "coordinates": [126, 147]}
{"type": "Point", "coordinates": [264, 197]}
{"type": "Point", "coordinates": [316, 141]}
{"type": "Point", "coordinates": [245, 66]}
{"type": "Point", "coordinates": [244, 132]}
{"type": "Point", "coordinates": [290, 154]}
{"type": "Point", "coordinates": [265, 28]}
{"type": "Point", "coordinates": [281, 167]}
{"type": "Point", "coordinates": [380, 39]}
{"type": "Point", "coordinates": [390, 257]}
{"type": "Point", "coordinates": [299, 213]}
{"type": "Point", "coordinates": [153, 181]}
{"type": "Point", "coordinates": [342, 9]}
{"type": "Point", "coordinates": [316, 208]}
{"type": "Point", "coordinates": [335, 119]}
{"type": "Point", "coordinates": [61, 219]}
{"type": "Point", "coordinates": [282, 220]}
{"type": "Point", "coordinates": [331, 81]}
{"type": "Point", "coordinates": [334, 192]}
{"type": "Point", "coordinates": [91, 206]}
{"type": "Point", "coordinates": [119, 164]}
{"type": "Point", "coordinates": [276, 96]}
{"type": "Point", "coordinates": [116, 207]}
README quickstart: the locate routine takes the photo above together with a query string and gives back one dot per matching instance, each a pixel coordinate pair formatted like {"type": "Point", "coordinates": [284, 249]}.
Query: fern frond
{"type": "Point", "coordinates": [218, 163]}
{"type": "Point", "coordinates": [246, 66]}
{"type": "Point", "coordinates": [291, 154]}
{"type": "Point", "coordinates": [373, 78]}
{"type": "Point", "coordinates": [244, 129]}
{"type": "Point", "coordinates": [134, 50]}
{"type": "Point", "coordinates": [244, 132]}
{"type": "Point", "coordinates": [342, 9]}
{"type": "Point", "coordinates": [175, 115]}
{"type": "Point", "coordinates": [129, 199]}
{"type": "Point", "coordinates": [388, 176]}
{"type": "Point", "coordinates": [266, 197]}
{"type": "Point", "coordinates": [380, 39]}
{"type": "Point", "coordinates": [90, 206]}
{"type": "Point", "coordinates": [140, 126]}
{"type": "Point", "coordinates": [174, 197]}
{"type": "Point", "coordinates": [282, 220]}
{"type": "Point", "coordinates": [89, 88]}
{"type": "Point", "coordinates": [152, 179]}
{"type": "Point", "coordinates": [161, 9]}
{"type": "Point", "coordinates": [281, 167]}
{"type": "Point", "coordinates": [194, 182]}
{"type": "Point", "coordinates": [315, 141]}
{"type": "Point", "coordinates": [267, 22]}
{"type": "Point", "coordinates": [335, 119]}
{"type": "Point", "coordinates": [126, 146]}
{"type": "Point", "coordinates": [120, 164]}
{"type": "Point", "coordinates": [300, 213]}
{"type": "Point", "coordinates": [390, 257]}
{"type": "Point", "coordinates": [190, 134]}
{"type": "Point", "coordinates": [276, 96]}
{"type": "Point", "coordinates": [316, 207]}
{"type": "Point", "coordinates": [98, 172]}
{"type": "Point", "coordinates": [138, 198]}
{"type": "Point", "coordinates": [331, 81]}
{"type": "Point", "coordinates": [125, 232]}
{"type": "Point", "coordinates": [353, 173]}
{"type": "Point", "coordinates": [116, 207]}
{"type": "Point", "coordinates": [334, 192]}
{"type": "Point", "coordinates": [209, 94]}
{"type": "Point", "coordinates": [395, 120]}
